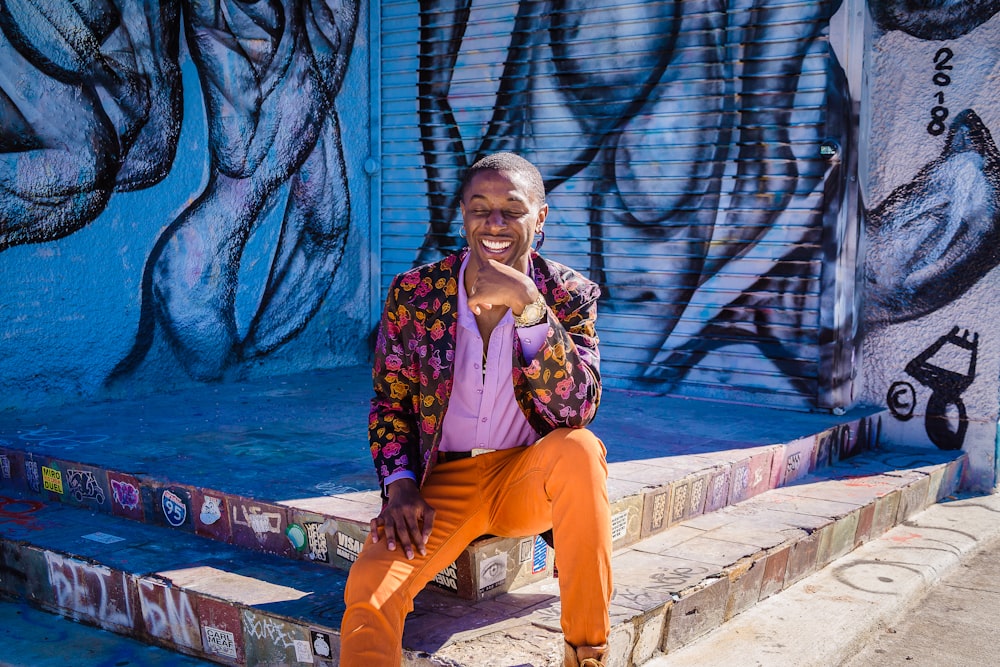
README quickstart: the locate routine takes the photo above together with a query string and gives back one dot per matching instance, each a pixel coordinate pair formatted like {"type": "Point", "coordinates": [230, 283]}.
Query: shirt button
{"type": "Point", "coordinates": [528, 341]}
{"type": "Point", "coordinates": [485, 420]}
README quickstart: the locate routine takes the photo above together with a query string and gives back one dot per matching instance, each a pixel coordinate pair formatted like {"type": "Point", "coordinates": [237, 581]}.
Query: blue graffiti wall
{"type": "Point", "coordinates": [696, 157]}
{"type": "Point", "coordinates": [181, 196]}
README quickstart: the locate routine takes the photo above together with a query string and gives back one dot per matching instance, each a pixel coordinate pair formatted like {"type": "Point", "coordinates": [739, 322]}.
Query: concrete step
{"type": "Point", "coordinates": [281, 467]}
{"type": "Point", "coordinates": [234, 606]}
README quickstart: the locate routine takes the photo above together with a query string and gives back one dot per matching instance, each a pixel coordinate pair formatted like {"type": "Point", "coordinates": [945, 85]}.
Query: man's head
{"type": "Point", "coordinates": [512, 164]}
{"type": "Point", "coordinates": [503, 208]}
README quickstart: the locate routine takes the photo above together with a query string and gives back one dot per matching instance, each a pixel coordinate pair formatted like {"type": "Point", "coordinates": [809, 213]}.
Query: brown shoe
{"type": "Point", "coordinates": [584, 656]}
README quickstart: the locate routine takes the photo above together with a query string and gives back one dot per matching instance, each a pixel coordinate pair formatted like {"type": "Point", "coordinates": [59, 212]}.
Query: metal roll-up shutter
{"type": "Point", "coordinates": [680, 143]}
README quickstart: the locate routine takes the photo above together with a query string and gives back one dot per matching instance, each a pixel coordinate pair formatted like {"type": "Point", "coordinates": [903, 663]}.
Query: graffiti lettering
{"type": "Point", "coordinates": [125, 494]}
{"type": "Point", "coordinates": [92, 591]}
{"type": "Point", "coordinates": [260, 522]}
{"type": "Point", "coordinates": [4, 466]}
{"type": "Point", "coordinates": [168, 614]}
{"type": "Point", "coordinates": [266, 628]}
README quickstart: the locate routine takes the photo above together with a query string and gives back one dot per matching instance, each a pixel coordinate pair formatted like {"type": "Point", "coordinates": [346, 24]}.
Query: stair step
{"type": "Point", "coordinates": [234, 606]}
{"type": "Point", "coordinates": [281, 467]}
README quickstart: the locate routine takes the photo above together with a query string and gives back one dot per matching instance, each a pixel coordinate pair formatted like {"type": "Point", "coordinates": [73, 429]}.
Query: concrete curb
{"type": "Point", "coordinates": [826, 618]}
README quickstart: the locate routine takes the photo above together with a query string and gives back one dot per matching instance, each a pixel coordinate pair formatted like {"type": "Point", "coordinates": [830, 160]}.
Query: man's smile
{"type": "Point", "coordinates": [494, 246]}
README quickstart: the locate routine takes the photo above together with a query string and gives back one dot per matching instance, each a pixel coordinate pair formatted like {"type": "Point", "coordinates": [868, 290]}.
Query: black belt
{"type": "Point", "coordinates": [446, 457]}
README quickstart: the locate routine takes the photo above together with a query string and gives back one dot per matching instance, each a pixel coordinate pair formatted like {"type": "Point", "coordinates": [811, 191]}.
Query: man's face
{"type": "Point", "coordinates": [501, 218]}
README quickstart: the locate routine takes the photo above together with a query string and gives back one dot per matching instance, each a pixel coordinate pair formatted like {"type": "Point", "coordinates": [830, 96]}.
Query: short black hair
{"type": "Point", "coordinates": [512, 163]}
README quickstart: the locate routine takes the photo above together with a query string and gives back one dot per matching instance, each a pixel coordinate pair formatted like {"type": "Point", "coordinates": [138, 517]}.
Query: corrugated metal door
{"type": "Point", "coordinates": [683, 149]}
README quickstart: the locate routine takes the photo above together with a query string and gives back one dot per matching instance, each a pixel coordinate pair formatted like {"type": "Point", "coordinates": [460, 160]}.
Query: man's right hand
{"type": "Point", "coordinates": [406, 517]}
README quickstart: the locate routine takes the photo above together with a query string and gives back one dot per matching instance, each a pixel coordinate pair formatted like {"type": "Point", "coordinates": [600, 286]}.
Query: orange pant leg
{"type": "Point", "coordinates": [558, 483]}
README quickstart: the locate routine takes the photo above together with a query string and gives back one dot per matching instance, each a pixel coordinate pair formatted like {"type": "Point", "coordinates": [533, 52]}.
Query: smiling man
{"type": "Point", "coordinates": [485, 376]}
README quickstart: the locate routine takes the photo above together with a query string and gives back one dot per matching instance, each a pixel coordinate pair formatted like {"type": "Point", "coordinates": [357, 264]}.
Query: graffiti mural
{"type": "Point", "coordinates": [701, 146]}
{"type": "Point", "coordinates": [95, 103]}
{"type": "Point", "coordinates": [932, 226]}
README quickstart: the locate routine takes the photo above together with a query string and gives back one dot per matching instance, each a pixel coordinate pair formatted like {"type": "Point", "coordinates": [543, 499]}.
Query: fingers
{"type": "Point", "coordinates": [409, 527]}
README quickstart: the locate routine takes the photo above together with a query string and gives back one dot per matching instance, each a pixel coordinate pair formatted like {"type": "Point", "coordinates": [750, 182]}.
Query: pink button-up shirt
{"type": "Point", "coordinates": [482, 411]}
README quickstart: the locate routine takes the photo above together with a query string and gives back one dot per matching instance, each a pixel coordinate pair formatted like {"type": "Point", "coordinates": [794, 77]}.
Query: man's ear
{"type": "Point", "coordinates": [543, 213]}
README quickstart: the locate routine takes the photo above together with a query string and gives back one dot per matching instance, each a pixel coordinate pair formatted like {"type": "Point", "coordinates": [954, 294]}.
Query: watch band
{"type": "Point", "coordinates": [532, 314]}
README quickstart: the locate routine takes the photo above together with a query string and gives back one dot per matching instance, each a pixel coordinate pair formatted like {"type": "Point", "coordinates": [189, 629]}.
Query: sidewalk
{"type": "Point", "coordinates": [869, 608]}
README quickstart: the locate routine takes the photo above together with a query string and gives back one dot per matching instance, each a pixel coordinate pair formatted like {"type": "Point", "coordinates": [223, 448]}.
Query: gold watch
{"type": "Point", "coordinates": [532, 314]}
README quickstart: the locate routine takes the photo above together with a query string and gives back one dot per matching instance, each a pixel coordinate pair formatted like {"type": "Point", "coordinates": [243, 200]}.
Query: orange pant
{"type": "Point", "coordinates": [560, 482]}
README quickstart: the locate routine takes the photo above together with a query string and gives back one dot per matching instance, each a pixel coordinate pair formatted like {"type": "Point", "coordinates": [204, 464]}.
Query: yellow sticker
{"type": "Point", "coordinates": [52, 480]}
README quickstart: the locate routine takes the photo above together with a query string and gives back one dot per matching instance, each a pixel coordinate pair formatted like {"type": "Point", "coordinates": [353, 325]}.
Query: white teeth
{"type": "Point", "coordinates": [496, 246]}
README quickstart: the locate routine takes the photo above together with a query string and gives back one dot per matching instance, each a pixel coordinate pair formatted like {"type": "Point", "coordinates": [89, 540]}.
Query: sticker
{"type": "Point", "coordinates": [210, 512]}
{"type": "Point", "coordinates": [318, 549]}
{"type": "Point", "coordinates": [103, 538]}
{"type": "Point", "coordinates": [321, 645]}
{"type": "Point", "coordinates": [348, 548]}
{"type": "Point", "coordinates": [448, 578]}
{"type": "Point", "coordinates": [31, 474]}
{"type": "Point", "coordinates": [492, 572]}
{"type": "Point", "coordinates": [297, 536]}
{"type": "Point", "coordinates": [83, 485]}
{"type": "Point", "coordinates": [125, 494]}
{"type": "Point", "coordinates": [526, 550]}
{"type": "Point", "coordinates": [4, 466]}
{"type": "Point", "coordinates": [174, 508]}
{"type": "Point", "coordinates": [52, 480]}
{"type": "Point", "coordinates": [619, 525]}
{"type": "Point", "coordinates": [302, 651]}
{"type": "Point", "coordinates": [540, 551]}
{"type": "Point", "coordinates": [220, 642]}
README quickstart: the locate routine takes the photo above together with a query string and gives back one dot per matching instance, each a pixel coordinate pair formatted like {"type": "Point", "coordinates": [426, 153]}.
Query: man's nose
{"type": "Point", "coordinates": [496, 219]}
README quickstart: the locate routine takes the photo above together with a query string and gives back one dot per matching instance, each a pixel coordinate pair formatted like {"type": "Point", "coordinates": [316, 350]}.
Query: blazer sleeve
{"type": "Point", "coordinates": [393, 418]}
{"type": "Point", "coordinates": [563, 382]}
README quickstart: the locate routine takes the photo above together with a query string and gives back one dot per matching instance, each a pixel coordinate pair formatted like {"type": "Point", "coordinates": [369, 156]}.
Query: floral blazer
{"type": "Point", "coordinates": [412, 371]}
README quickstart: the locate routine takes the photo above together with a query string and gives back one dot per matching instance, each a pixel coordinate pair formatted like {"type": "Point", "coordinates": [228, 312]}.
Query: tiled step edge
{"type": "Point", "coordinates": [238, 608]}
{"type": "Point", "coordinates": [676, 586]}
{"type": "Point", "coordinates": [646, 498]}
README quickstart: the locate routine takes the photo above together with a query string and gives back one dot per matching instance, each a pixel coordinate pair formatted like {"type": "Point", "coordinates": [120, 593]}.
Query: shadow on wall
{"type": "Point", "coordinates": [92, 104]}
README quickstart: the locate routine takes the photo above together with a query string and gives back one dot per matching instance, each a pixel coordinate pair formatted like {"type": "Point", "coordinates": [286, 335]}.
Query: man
{"type": "Point", "coordinates": [485, 375]}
